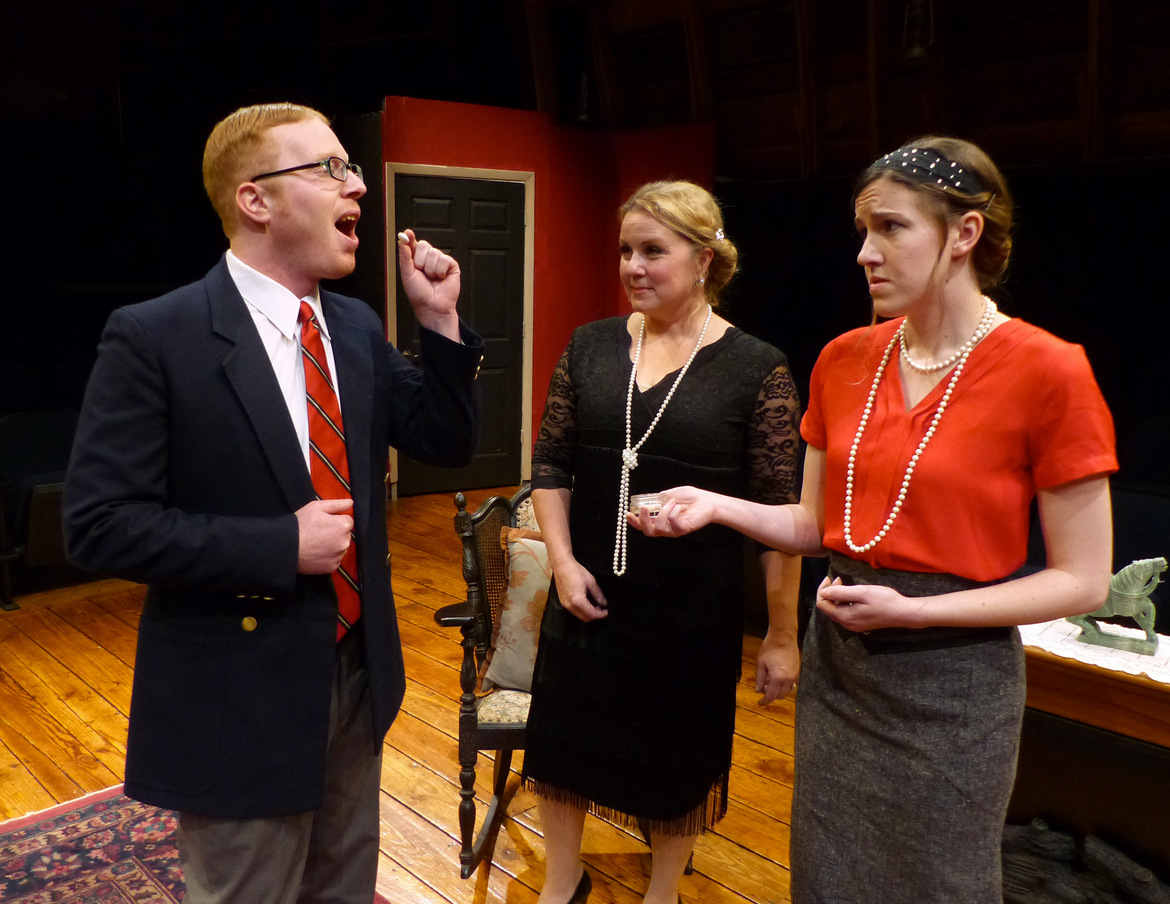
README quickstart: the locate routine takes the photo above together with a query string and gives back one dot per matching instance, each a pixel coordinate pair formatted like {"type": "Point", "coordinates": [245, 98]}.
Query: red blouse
{"type": "Point", "coordinates": [1026, 414]}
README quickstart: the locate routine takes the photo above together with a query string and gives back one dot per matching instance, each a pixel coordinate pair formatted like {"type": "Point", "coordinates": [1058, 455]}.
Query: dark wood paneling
{"type": "Point", "coordinates": [1055, 80]}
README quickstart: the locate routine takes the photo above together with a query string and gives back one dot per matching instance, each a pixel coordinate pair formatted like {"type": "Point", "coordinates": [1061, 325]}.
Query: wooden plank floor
{"type": "Point", "coordinates": [66, 664]}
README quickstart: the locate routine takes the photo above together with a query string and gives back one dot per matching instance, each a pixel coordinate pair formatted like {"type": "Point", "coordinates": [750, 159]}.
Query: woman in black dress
{"type": "Point", "coordinates": [633, 698]}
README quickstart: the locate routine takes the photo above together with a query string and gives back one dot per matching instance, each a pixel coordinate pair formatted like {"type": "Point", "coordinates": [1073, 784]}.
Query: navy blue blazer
{"type": "Point", "coordinates": [185, 475]}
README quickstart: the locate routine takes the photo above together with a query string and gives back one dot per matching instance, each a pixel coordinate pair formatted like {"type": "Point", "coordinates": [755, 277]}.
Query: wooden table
{"type": "Point", "coordinates": [1131, 705]}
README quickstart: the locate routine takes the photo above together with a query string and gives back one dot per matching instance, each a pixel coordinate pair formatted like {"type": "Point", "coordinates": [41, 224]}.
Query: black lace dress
{"type": "Point", "coordinates": [632, 715]}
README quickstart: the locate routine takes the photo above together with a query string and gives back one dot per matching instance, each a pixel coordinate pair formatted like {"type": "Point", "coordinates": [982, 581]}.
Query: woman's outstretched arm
{"type": "Point", "coordinates": [797, 528]}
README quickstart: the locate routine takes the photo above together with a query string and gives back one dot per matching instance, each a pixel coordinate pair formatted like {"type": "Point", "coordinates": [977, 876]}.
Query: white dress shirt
{"type": "Point", "coordinates": [274, 309]}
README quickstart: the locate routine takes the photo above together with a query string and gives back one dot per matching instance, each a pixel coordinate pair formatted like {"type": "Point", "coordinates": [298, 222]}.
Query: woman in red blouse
{"type": "Point", "coordinates": [929, 434]}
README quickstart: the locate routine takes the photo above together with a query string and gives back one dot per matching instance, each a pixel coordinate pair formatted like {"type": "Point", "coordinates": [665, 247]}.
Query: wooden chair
{"type": "Point", "coordinates": [495, 721]}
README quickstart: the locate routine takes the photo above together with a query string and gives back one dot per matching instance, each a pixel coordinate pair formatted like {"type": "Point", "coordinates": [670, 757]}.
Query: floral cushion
{"type": "Point", "coordinates": [504, 707]}
{"type": "Point", "coordinates": [509, 662]}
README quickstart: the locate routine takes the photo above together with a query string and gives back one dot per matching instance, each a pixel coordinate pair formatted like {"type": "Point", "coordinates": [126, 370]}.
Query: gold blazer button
{"type": "Point", "coordinates": [248, 624]}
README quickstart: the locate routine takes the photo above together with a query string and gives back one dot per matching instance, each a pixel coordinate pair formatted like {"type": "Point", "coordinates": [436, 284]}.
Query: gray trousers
{"type": "Point", "coordinates": [326, 855]}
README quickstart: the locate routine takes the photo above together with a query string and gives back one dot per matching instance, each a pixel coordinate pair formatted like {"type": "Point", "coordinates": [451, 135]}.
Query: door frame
{"type": "Point", "coordinates": [487, 175]}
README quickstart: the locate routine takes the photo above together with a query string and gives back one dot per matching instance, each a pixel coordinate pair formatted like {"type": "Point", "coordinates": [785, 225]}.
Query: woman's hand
{"type": "Point", "coordinates": [684, 510]}
{"type": "Point", "coordinates": [777, 665]}
{"type": "Point", "coordinates": [579, 593]}
{"type": "Point", "coordinates": [866, 607]}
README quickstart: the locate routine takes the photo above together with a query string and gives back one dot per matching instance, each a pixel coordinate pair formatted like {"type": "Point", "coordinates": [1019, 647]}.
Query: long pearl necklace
{"type": "Point", "coordinates": [630, 453]}
{"type": "Point", "coordinates": [985, 324]}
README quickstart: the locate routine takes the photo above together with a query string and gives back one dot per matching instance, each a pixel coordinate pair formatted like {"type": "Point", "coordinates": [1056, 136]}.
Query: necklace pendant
{"type": "Point", "coordinates": [629, 459]}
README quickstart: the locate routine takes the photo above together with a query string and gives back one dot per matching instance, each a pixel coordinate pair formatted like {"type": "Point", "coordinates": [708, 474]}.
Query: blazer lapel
{"type": "Point", "coordinates": [248, 370]}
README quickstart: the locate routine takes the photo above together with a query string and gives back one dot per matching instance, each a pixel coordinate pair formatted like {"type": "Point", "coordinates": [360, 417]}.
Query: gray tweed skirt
{"type": "Point", "coordinates": [906, 745]}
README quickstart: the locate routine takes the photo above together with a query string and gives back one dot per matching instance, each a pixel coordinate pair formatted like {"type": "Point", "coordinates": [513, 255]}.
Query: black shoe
{"type": "Point", "coordinates": [581, 892]}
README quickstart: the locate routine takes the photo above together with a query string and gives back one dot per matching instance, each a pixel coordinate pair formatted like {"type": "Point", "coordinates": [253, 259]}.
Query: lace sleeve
{"type": "Point", "coordinates": [774, 439]}
{"type": "Point", "coordinates": [552, 456]}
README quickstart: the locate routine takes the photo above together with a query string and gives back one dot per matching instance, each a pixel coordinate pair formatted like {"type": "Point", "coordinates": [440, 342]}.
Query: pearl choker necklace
{"type": "Point", "coordinates": [630, 453]}
{"type": "Point", "coordinates": [984, 327]}
{"type": "Point", "coordinates": [989, 311]}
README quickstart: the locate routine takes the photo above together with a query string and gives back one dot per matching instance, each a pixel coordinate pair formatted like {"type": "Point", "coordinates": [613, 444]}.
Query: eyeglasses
{"type": "Point", "coordinates": [334, 166]}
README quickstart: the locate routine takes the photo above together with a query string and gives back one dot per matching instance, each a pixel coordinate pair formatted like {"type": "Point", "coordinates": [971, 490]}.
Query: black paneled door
{"type": "Point", "coordinates": [480, 223]}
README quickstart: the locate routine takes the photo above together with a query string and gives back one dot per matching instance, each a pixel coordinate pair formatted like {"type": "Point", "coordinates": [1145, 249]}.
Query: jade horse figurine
{"type": "Point", "coordinates": [1129, 596]}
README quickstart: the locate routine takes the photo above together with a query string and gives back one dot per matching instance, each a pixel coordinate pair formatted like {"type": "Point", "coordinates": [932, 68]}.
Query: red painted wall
{"type": "Point", "coordinates": [582, 175]}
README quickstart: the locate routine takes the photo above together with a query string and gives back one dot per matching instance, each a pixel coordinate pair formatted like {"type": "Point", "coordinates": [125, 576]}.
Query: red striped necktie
{"type": "Point", "coordinates": [328, 464]}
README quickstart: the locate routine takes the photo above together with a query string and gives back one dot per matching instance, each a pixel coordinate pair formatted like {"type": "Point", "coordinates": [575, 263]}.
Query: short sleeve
{"type": "Point", "coordinates": [846, 359]}
{"type": "Point", "coordinates": [812, 425]}
{"type": "Point", "coordinates": [1072, 436]}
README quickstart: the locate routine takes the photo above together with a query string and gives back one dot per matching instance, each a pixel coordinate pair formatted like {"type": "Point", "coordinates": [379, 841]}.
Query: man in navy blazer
{"type": "Point", "coordinates": [190, 474]}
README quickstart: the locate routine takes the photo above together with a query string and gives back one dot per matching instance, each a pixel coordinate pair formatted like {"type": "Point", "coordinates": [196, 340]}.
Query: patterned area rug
{"type": "Point", "coordinates": [100, 849]}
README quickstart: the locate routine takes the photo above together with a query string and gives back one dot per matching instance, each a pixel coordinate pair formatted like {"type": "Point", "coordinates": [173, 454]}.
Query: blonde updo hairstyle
{"type": "Point", "coordinates": [236, 151]}
{"type": "Point", "coordinates": [991, 254]}
{"type": "Point", "coordinates": [693, 213]}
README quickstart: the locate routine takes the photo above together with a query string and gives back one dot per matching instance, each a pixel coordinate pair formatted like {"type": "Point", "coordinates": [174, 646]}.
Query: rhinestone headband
{"type": "Point", "coordinates": [925, 165]}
